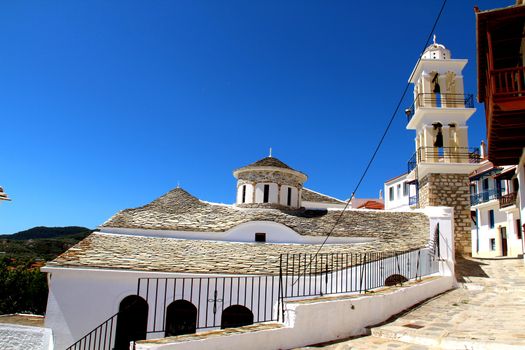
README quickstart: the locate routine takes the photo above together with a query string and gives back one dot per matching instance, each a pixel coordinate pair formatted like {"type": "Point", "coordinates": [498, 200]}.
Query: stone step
{"type": "Point", "coordinates": [371, 343]}
{"type": "Point", "coordinates": [438, 339]}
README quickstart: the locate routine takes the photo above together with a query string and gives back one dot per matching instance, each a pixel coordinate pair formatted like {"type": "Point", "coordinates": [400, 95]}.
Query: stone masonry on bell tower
{"type": "Point", "coordinates": [443, 161]}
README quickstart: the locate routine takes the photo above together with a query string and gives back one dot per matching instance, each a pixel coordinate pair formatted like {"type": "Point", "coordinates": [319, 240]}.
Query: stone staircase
{"type": "Point", "coordinates": [485, 312]}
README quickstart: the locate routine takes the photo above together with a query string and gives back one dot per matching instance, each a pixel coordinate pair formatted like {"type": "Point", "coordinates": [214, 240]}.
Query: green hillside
{"type": "Point", "coordinates": [47, 232]}
{"type": "Point", "coordinates": [40, 243]}
{"type": "Point", "coordinates": [23, 288]}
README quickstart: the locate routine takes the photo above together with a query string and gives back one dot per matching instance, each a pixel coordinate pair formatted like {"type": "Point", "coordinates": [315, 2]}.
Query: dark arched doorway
{"type": "Point", "coordinates": [392, 280]}
{"type": "Point", "coordinates": [236, 316]}
{"type": "Point", "coordinates": [181, 318]}
{"type": "Point", "coordinates": [132, 321]}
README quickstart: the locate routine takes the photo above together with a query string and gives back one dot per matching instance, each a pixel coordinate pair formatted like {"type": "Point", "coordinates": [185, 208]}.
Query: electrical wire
{"type": "Point", "coordinates": [396, 110]}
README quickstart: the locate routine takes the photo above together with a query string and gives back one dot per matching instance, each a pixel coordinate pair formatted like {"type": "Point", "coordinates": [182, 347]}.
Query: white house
{"type": "Point", "coordinates": [180, 265]}
{"type": "Point", "coordinates": [496, 219]}
{"type": "Point", "coordinates": [399, 194]}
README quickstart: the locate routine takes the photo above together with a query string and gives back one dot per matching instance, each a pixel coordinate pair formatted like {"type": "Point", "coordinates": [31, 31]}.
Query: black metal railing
{"type": "Point", "coordinates": [484, 196]}
{"type": "Point", "coordinates": [210, 296]}
{"type": "Point", "coordinates": [102, 337]}
{"type": "Point", "coordinates": [254, 299]}
{"type": "Point", "coordinates": [508, 199]}
{"type": "Point", "coordinates": [307, 275]}
{"type": "Point", "coordinates": [412, 200]}
{"type": "Point", "coordinates": [429, 100]}
{"type": "Point", "coordinates": [444, 155]}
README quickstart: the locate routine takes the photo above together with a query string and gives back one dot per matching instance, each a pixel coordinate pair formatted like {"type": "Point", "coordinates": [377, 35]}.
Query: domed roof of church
{"type": "Point", "coordinates": [268, 162]}
{"type": "Point", "coordinates": [437, 51]}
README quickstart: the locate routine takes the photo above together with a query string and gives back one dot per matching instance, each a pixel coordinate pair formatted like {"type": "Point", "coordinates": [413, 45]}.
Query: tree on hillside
{"type": "Point", "coordinates": [22, 290]}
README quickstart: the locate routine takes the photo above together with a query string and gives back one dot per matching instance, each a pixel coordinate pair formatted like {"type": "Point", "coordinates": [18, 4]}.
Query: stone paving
{"type": "Point", "coordinates": [487, 311]}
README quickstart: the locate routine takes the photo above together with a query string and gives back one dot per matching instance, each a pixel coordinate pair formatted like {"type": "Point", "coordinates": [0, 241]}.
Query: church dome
{"type": "Point", "coordinates": [436, 52]}
{"type": "Point", "coordinates": [269, 183]}
{"type": "Point", "coordinates": [269, 164]}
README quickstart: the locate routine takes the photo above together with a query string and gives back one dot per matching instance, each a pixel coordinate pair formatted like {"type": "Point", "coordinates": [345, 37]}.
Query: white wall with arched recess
{"type": "Point", "coordinates": [243, 233]}
{"type": "Point", "coordinates": [279, 233]}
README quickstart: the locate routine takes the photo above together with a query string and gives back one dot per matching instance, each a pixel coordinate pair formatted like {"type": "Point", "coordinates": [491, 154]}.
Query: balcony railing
{"type": "Point", "coordinates": [440, 101]}
{"type": "Point", "coordinates": [444, 155]}
{"type": "Point", "coordinates": [412, 200]}
{"type": "Point", "coordinates": [412, 162]}
{"type": "Point", "coordinates": [506, 83]}
{"type": "Point", "coordinates": [483, 197]}
{"type": "Point", "coordinates": [507, 200]}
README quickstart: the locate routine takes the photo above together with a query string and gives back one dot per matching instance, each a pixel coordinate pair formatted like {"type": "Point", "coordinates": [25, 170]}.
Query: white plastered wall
{"type": "Point", "coordinates": [243, 233]}
{"type": "Point", "coordinates": [520, 171]}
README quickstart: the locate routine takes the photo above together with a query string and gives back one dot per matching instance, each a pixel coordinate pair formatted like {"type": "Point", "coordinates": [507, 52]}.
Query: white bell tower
{"type": "Point", "coordinates": [443, 160]}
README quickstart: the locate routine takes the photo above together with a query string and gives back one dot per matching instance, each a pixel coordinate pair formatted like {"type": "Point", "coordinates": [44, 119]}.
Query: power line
{"type": "Point", "coordinates": [396, 110]}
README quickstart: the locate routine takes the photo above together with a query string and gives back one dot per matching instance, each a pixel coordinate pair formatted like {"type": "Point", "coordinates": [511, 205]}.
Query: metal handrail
{"type": "Point", "coordinates": [94, 339]}
{"type": "Point", "coordinates": [335, 273]}
{"type": "Point", "coordinates": [446, 100]}
{"type": "Point", "coordinates": [444, 155]}
{"type": "Point", "coordinates": [484, 196]}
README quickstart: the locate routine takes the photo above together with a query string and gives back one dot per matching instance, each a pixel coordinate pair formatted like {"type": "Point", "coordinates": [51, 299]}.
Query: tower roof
{"type": "Point", "coordinates": [437, 51]}
{"type": "Point", "coordinates": [268, 161]}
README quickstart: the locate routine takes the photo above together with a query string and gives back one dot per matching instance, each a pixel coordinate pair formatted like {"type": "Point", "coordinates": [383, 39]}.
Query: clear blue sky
{"type": "Point", "coordinates": [106, 105]}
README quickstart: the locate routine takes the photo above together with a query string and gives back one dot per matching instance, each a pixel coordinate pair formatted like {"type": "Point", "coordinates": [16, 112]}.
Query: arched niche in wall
{"type": "Point", "coordinates": [181, 318]}
{"type": "Point", "coordinates": [236, 316]}
{"type": "Point", "coordinates": [132, 321]}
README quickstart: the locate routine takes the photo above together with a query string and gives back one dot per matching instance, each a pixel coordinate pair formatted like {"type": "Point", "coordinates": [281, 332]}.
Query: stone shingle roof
{"type": "Point", "coordinates": [180, 211]}
{"type": "Point", "coordinates": [3, 195]}
{"type": "Point", "coordinates": [139, 253]}
{"type": "Point", "coordinates": [268, 161]}
{"type": "Point", "coordinates": [312, 196]}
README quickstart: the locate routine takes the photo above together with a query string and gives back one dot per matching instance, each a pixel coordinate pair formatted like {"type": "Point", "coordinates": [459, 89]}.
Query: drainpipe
{"type": "Point", "coordinates": [477, 230]}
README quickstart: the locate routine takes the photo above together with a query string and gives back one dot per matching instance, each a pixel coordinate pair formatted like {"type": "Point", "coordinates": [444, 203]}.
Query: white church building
{"type": "Point", "coordinates": [180, 265]}
{"type": "Point", "coordinates": [288, 265]}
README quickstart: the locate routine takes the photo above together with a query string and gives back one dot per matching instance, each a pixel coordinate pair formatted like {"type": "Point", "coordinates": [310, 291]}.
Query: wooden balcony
{"type": "Point", "coordinates": [506, 88]}
{"type": "Point", "coordinates": [505, 114]}
{"type": "Point", "coordinates": [508, 199]}
{"type": "Point", "coordinates": [501, 81]}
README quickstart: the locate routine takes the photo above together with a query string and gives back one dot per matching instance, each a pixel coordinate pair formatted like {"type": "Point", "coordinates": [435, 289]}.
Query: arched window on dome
{"type": "Point", "coordinates": [266, 193]}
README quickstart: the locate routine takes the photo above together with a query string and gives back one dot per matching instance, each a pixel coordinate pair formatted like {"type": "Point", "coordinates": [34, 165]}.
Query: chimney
{"type": "Point", "coordinates": [380, 194]}
{"type": "Point", "coordinates": [483, 150]}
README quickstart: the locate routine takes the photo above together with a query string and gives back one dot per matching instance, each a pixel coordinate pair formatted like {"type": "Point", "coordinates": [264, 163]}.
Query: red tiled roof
{"type": "Point", "coordinates": [372, 205]}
